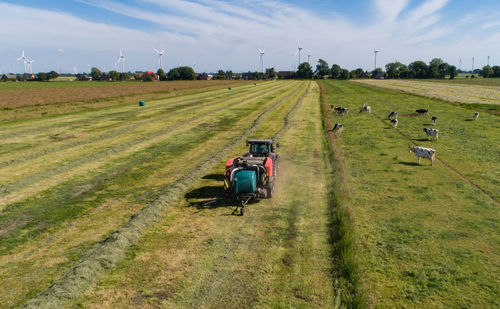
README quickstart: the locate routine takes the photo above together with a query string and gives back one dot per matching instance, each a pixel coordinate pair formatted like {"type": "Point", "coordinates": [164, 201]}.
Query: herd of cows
{"type": "Point", "coordinates": [420, 152]}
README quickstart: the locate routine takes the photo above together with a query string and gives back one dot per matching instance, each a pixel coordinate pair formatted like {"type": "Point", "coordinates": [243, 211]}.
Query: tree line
{"type": "Point", "coordinates": [436, 68]}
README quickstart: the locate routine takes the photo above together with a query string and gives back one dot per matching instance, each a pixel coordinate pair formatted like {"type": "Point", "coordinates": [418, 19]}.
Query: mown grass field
{"type": "Point", "coordinates": [481, 95]}
{"type": "Point", "coordinates": [70, 183]}
{"type": "Point", "coordinates": [416, 235]}
{"type": "Point", "coordinates": [103, 203]}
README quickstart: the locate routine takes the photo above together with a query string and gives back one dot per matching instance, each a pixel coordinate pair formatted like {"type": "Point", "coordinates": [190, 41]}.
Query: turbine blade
{"type": "Point", "coordinates": [157, 51]}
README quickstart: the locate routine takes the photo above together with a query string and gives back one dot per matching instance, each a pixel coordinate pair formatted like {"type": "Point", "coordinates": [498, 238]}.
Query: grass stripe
{"type": "Point", "coordinates": [105, 255]}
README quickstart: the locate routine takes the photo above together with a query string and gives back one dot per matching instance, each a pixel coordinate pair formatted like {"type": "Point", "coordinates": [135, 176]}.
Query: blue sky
{"type": "Point", "coordinates": [65, 35]}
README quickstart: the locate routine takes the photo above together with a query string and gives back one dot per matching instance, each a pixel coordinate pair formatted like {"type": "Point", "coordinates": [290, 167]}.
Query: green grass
{"type": "Point", "coordinates": [51, 229]}
{"type": "Point", "coordinates": [417, 236]}
{"type": "Point", "coordinates": [277, 255]}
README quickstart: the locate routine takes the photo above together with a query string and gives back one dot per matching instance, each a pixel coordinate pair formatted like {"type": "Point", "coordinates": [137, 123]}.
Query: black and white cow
{"type": "Point", "coordinates": [432, 133]}
{"type": "Point", "coordinates": [422, 111]}
{"type": "Point", "coordinates": [394, 123]}
{"type": "Point", "coordinates": [365, 108]}
{"type": "Point", "coordinates": [393, 115]}
{"type": "Point", "coordinates": [337, 128]}
{"type": "Point", "coordinates": [476, 115]}
{"type": "Point", "coordinates": [434, 118]}
{"type": "Point", "coordinates": [422, 152]}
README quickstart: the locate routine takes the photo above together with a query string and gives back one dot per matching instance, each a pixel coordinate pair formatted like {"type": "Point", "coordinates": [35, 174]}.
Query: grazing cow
{"type": "Point", "coordinates": [365, 108]}
{"type": "Point", "coordinates": [431, 133]}
{"type": "Point", "coordinates": [337, 128]}
{"type": "Point", "coordinates": [422, 111]}
{"type": "Point", "coordinates": [332, 107]}
{"type": "Point", "coordinates": [434, 118]}
{"type": "Point", "coordinates": [338, 109]}
{"type": "Point", "coordinates": [422, 152]}
{"type": "Point", "coordinates": [344, 111]}
{"type": "Point", "coordinates": [476, 115]}
{"type": "Point", "coordinates": [394, 123]}
{"type": "Point", "coordinates": [393, 115]}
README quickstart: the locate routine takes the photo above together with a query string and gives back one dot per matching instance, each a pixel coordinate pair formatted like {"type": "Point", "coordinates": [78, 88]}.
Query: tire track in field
{"type": "Point", "coordinates": [108, 253]}
{"type": "Point", "coordinates": [124, 129]}
{"type": "Point", "coordinates": [10, 188]}
{"type": "Point", "coordinates": [185, 102]}
{"type": "Point", "coordinates": [448, 166]}
{"type": "Point", "coordinates": [219, 269]}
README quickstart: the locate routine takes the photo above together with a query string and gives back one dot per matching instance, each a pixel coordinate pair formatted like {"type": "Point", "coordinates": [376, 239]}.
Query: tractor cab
{"type": "Point", "coordinates": [260, 147]}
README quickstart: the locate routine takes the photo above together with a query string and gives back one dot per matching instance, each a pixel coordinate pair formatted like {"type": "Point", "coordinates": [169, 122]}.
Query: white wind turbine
{"type": "Point", "coordinates": [24, 59]}
{"type": "Point", "coordinates": [160, 55]}
{"type": "Point", "coordinates": [122, 60]}
{"type": "Point", "coordinates": [299, 49]}
{"type": "Point", "coordinates": [30, 67]}
{"type": "Point", "coordinates": [261, 51]}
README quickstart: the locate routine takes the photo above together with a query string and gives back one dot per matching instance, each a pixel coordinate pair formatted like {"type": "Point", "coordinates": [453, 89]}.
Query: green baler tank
{"type": "Point", "coordinates": [245, 182]}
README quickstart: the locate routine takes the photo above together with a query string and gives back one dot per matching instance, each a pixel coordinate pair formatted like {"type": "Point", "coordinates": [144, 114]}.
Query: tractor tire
{"type": "Point", "coordinates": [270, 189]}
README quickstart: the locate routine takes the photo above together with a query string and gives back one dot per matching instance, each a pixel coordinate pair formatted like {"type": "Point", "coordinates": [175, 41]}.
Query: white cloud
{"type": "Point", "coordinates": [220, 34]}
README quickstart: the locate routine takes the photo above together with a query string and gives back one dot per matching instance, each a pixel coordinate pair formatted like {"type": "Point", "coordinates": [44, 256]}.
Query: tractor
{"type": "Point", "coordinates": [252, 175]}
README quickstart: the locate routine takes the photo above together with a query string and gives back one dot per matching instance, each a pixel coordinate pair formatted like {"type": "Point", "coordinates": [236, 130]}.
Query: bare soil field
{"type": "Point", "coordinates": [26, 95]}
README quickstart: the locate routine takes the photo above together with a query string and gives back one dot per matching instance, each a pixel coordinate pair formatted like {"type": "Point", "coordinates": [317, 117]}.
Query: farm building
{"type": "Point", "coordinates": [9, 77]}
{"type": "Point", "coordinates": [204, 76]}
{"type": "Point", "coordinates": [285, 74]}
{"type": "Point", "coordinates": [248, 75]}
{"type": "Point", "coordinates": [29, 76]}
{"type": "Point", "coordinates": [153, 75]}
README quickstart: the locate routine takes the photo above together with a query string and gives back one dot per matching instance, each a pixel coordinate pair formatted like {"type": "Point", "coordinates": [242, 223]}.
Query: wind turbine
{"type": "Point", "coordinates": [122, 60]}
{"type": "Point", "coordinates": [160, 55]}
{"type": "Point", "coordinates": [30, 68]}
{"type": "Point", "coordinates": [261, 51]}
{"type": "Point", "coordinates": [375, 52]}
{"type": "Point", "coordinates": [299, 49]}
{"type": "Point", "coordinates": [24, 59]}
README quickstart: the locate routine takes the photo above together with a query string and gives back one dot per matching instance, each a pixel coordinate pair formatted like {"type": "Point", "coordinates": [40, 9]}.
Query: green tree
{"type": "Point", "coordinates": [357, 73]}
{"type": "Point", "coordinates": [174, 74]}
{"type": "Point", "coordinates": [53, 74]}
{"type": "Point", "coordinates": [220, 75]}
{"type": "Point", "coordinates": [96, 73]}
{"type": "Point", "coordinates": [124, 76]}
{"type": "Point", "coordinates": [322, 68]}
{"type": "Point", "coordinates": [403, 71]}
{"type": "Point", "coordinates": [487, 71]}
{"type": "Point", "coordinates": [496, 71]}
{"type": "Point", "coordinates": [335, 71]}
{"type": "Point", "coordinates": [417, 69]}
{"type": "Point", "coordinates": [271, 73]}
{"type": "Point", "coordinates": [304, 70]}
{"type": "Point", "coordinates": [377, 73]}
{"type": "Point", "coordinates": [433, 71]}
{"type": "Point", "coordinates": [161, 73]}
{"type": "Point", "coordinates": [114, 75]}
{"type": "Point", "coordinates": [42, 77]}
{"type": "Point", "coordinates": [344, 74]}
{"type": "Point", "coordinates": [452, 71]}
{"type": "Point", "coordinates": [187, 73]}
{"type": "Point", "coordinates": [396, 70]}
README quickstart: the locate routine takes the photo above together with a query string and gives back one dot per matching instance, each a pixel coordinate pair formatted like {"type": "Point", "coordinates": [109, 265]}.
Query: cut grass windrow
{"type": "Point", "coordinates": [28, 218]}
{"type": "Point", "coordinates": [106, 254]}
{"type": "Point", "coordinates": [10, 188]}
{"type": "Point", "coordinates": [171, 111]}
